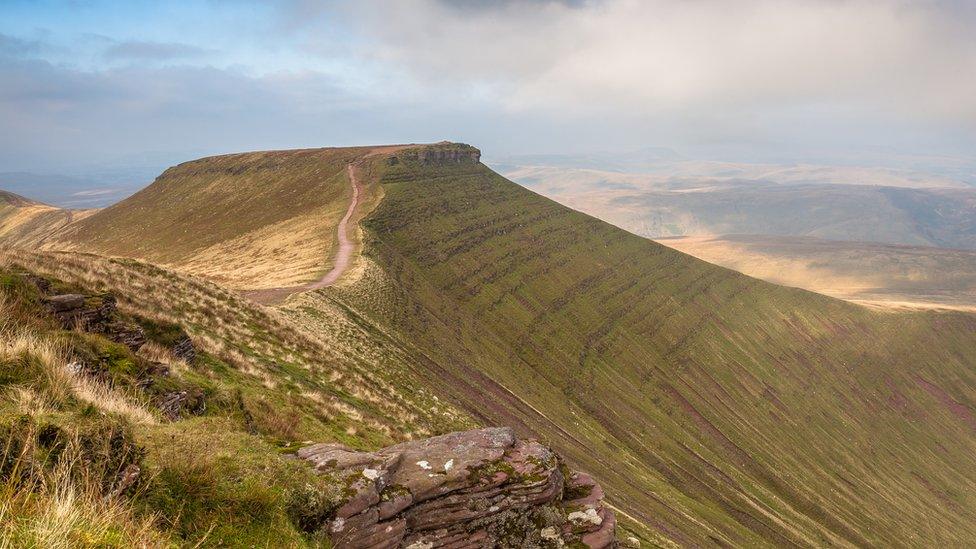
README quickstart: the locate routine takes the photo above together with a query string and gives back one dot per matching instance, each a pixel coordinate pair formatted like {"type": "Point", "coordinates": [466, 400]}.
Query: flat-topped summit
{"type": "Point", "coordinates": [444, 152]}
{"type": "Point", "coordinates": [262, 220]}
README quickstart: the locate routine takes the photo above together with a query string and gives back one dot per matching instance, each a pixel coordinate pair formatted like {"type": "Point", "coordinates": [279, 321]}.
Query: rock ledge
{"type": "Point", "coordinates": [472, 489]}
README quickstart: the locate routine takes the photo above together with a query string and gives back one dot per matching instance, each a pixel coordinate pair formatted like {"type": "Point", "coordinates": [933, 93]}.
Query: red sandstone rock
{"type": "Point", "coordinates": [482, 488]}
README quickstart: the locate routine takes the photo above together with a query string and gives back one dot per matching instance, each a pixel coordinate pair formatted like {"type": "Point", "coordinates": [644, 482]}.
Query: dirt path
{"type": "Point", "coordinates": [343, 257]}
{"type": "Point", "coordinates": [347, 248]}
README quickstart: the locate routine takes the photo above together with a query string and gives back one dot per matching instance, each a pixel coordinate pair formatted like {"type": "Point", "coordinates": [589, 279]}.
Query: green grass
{"type": "Point", "coordinates": [223, 478]}
{"type": "Point", "coordinates": [214, 484]}
{"type": "Point", "coordinates": [715, 408]}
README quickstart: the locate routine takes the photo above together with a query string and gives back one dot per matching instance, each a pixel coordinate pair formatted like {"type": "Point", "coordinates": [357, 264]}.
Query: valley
{"type": "Point", "coordinates": [667, 204]}
{"type": "Point", "coordinates": [882, 275]}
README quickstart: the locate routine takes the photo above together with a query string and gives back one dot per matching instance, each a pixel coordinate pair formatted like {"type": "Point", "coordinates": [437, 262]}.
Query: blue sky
{"type": "Point", "coordinates": [97, 82]}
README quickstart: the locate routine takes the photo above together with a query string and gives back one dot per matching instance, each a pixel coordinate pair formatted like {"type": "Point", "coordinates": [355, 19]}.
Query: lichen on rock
{"type": "Point", "coordinates": [481, 488]}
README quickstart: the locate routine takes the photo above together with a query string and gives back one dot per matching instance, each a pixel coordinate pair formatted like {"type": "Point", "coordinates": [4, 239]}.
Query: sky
{"type": "Point", "coordinates": [98, 83]}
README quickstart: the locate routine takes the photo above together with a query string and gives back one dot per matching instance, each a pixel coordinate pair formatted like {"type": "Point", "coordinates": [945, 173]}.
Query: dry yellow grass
{"type": "Point", "coordinates": [30, 223]}
{"type": "Point", "coordinates": [357, 382]}
{"type": "Point", "coordinates": [878, 275]}
{"type": "Point", "coordinates": [60, 383]}
{"type": "Point", "coordinates": [247, 221]}
{"type": "Point", "coordinates": [284, 254]}
{"type": "Point", "coordinates": [60, 510]}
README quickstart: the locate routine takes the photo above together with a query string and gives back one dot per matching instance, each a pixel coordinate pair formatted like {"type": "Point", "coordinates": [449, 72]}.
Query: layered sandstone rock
{"type": "Point", "coordinates": [440, 153]}
{"type": "Point", "coordinates": [98, 314]}
{"type": "Point", "coordinates": [473, 489]}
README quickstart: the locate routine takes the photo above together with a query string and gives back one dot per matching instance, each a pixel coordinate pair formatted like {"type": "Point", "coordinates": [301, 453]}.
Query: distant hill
{"type": "Point", "coordinates": [714, 408]}
{"type": "Point", "coordinates": [30, 223]}
{"type": "Point", "coordinates": [659, 205]}
{"type": "Point", "coordinates": [878, 274]}
{"type": "Point", "coordinates": [73, 192]}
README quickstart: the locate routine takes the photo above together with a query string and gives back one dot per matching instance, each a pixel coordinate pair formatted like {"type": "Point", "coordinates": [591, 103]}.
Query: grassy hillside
{"type": "Point", "coordinates": [877, 274]}
{"type": "Point", "coordinates": [217, 475]}
{"type": "Point", "coordinates": [715, 408]}
{"type": "Point", "coordinates": [30, 223]}
{"type": "Point", "coordinates": [252, 220]}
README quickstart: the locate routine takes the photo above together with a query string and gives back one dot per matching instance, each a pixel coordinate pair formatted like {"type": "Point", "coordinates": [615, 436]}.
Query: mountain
{"type": "Point", "coordinates": [253, 220]}
{"type": "Point", "coordinates": [883, 171]}
{"type": "Point", "coordinates": [772, 202]}
{"type": "Point", "coordinates": [877, 274]}
{"type": "Point", "coordinates": [713, 408]}
{"type": "Point", "coordinates": [29, 223]}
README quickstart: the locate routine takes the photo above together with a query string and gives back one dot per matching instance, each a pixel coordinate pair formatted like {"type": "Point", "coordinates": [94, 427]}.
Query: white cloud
{"type": "Point", "coordinates": [647, 57]}
{"type": "Point", "coordinates": [745, 80]}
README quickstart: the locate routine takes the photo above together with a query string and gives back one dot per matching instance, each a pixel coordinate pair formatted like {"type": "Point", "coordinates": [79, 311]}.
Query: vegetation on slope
{"type": "Point", "coordinates": [30, 223]}
{"type": "Point", "coordinates": [247, 221]}
{"type": "Point", "coordinates": [714, 408]}
{"type": "Point", "coordinates": [217, 476]}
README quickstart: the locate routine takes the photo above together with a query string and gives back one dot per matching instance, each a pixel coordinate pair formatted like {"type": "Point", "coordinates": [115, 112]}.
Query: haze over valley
{"type": "Point", "coordinates": [866, 234]}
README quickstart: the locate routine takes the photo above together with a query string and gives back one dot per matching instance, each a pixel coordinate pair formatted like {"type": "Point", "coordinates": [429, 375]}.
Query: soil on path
{"type": "Point", "coordinates": [343, 257]}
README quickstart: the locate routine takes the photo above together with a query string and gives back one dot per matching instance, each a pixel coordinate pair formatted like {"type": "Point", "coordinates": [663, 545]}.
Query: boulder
{"type": "Point", "coordinates": [64, 303]}
{"type": "Point", "coordinates": [480, 488]}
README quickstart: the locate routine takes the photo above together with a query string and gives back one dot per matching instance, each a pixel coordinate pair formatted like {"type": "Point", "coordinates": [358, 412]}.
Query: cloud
{"type": "Point", "coordinates": [152, 51]}
{"type": "Point", "coordinates": [54, 114]}
{"type": "Point", "coordinates": [887, 58]}
{"type": "Point", "coordinates": [760, 76]}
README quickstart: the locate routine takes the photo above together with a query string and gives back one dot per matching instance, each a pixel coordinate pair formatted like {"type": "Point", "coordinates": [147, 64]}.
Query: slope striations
{"type": "Point", "coordinates": [715, 408]}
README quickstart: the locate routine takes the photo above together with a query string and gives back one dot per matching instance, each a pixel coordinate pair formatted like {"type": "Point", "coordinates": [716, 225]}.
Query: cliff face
{"type": "Point", "coordinates": [439, 153]}
{"type": "Point", "coordinates": [481, 488]}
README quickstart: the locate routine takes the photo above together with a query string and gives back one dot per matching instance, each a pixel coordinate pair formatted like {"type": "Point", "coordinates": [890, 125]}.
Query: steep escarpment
{"type": "Point", "coordinates": [438, 154]}
{"type": "Point", "coordinates": [714, 408]}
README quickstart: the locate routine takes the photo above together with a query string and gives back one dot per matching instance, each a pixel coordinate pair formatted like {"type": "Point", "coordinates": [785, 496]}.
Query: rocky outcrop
{"type": "Point", "coordinates": [440, 153]}
{"type": "Point", "coordinates": [96, 314]}
{"type": "Point", "coordinates": [99, 314]}
{"type": "Point", "coordinates": [184, 350]}
{"type": "Point", "coordinates": [177, 404]}
{"type": "Point", "coordinates": [472, 489]}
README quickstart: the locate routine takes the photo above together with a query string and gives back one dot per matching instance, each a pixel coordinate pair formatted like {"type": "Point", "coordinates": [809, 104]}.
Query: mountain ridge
{"type": "Point", "coordinates": [713, 407]}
